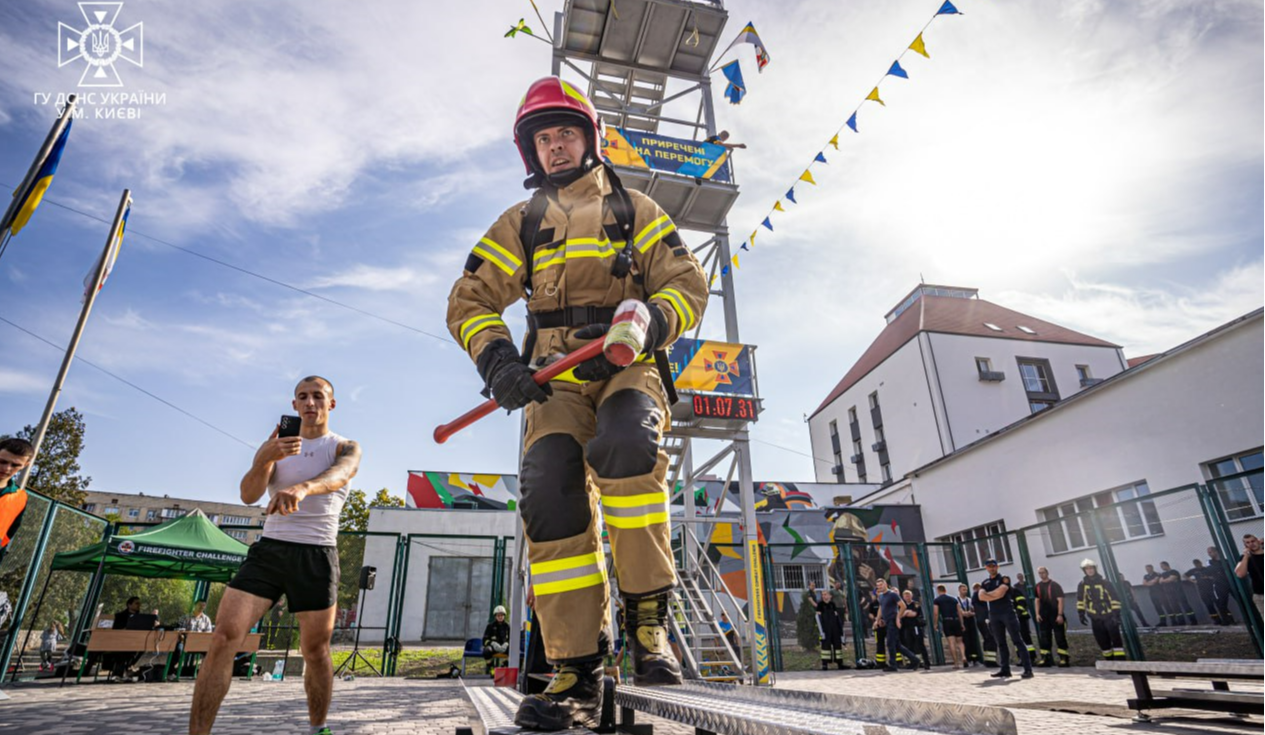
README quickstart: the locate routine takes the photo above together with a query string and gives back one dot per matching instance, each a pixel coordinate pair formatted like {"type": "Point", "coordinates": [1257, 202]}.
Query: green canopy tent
{"type": "Point", "coordinates": [189, 547]}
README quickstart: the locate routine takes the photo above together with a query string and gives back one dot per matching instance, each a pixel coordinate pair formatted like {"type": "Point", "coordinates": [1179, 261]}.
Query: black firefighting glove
{"type": "Point", "coordinates": [657, 331]}
{"type": "Point", "coordinates": [510, 382]}
{"type": "Point", "coordinates": [1081, 615]}
{"type": "Point", "coordinates": [595, 368]}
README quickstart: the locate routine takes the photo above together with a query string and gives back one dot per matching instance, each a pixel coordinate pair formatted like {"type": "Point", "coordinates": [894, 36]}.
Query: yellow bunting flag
{"type": "Point", "coordinates": [735, 261]}
{"type": "Point", "coordinates": [918, 47]}
{"type": "Point", "coordinates": [752, 238]}
{"type": "Point", "coordinates": [873, 95]}
{"type": "Point", "coordinates": [778, 206]}
{"type": "Point", "coordinates": [835, 141]}
{"type": "Point", "coordinates": [807, 176]}
{"type": "Point", "coordinates": [712, 282]}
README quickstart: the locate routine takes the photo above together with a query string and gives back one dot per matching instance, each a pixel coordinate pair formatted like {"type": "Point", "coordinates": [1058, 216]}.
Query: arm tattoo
{"type": "Point", "coordinates": [340, 473]}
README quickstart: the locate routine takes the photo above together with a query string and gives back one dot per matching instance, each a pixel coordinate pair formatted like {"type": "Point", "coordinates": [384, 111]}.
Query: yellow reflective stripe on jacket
{"type": "Point", "coordinates": [569, 573]}
{"type": "Point", "coordinates": [635, 511]}
{"type": "Point", "coordinates": [497, 255]}
{"type": "Point", "coordinates": [474, 325]}
{"type": "Point", "coordinates": [654, 232]}
{"type": "Point", "coordinates": [684, 314]}
{"type": "Point", "coordinates": [582, 247]}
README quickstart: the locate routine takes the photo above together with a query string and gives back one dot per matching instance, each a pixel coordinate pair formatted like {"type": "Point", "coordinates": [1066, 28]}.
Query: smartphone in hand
{"type": "Point", "coordinates": [288, 426]}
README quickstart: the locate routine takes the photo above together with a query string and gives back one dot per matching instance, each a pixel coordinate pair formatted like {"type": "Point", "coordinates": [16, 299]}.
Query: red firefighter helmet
{"type": "Point", "coordinates": [551, 101]}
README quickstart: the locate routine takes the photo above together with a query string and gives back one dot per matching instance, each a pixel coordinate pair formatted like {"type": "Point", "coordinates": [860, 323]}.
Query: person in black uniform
{"type": "Point", "coordinates": [880, 631]}
{"type": "Point", "coordinates": [1125, 587]}
{"type": "Point", "coordinates": [1179, 610]}
{"type": "Point", "coordinates": [970, 629]}
{"type": "Point", "coordinates": [1051, 623]}
{"type": "Point", "coordinates": [1098, 606]}
{"type": "Point", "coordinates": [1019, 598]}
{"type": "Point", "coordinates": [985, 630]}
{"type": "Point", "coordinates": [830, 622]}
{"type": "Point", "coordinates": [1159, 595]}
{"type": "Point", "coordinates": [947, 619]}
{"type": "Point", "coordinates": [1221, 581]}
{"type": "Point", "coordinates": [912, 628]}
{"type": "Point", "coordinates": [496, 639]}
{"type": "Point", "coordinates": [1002, 621]}
{"type": "Point", "coordinates": [891, 611]}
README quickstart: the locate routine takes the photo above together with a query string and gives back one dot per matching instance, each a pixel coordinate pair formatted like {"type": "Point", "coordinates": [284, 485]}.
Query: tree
{"type": "Point", "coordinates": [355, 515]}
{"type": "Point", "coordinates": [807, 634]}
{"type": "Point", "coordinates": [56, 470]}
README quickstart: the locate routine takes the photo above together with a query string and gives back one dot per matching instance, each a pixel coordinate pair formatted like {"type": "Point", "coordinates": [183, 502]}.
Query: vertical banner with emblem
{"type": "Point", "coordinates": [755, 602]}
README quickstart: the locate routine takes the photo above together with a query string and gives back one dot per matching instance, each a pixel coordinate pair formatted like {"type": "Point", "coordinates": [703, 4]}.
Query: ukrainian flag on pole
{"type": "Point", "coordinates": [32, 197]}
{"type": "Point", "coordinates": [112, 255]}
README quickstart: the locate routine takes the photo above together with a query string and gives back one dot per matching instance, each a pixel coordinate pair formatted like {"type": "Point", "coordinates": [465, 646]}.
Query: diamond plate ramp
{"type": "Point", "coordinates": [495, 707]}
{"type": "Point", "coordinates": [744, 710]}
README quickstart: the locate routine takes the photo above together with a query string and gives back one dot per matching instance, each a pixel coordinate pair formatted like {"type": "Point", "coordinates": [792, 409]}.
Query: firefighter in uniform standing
{"type": "Point", "coordinates": [830, 622]}
{"type": "Point", "coordinates": [581, 246]}
{"type": "Point", "coordinates": [1097, 599]}
{"type": "Point", "coordinates": [1051, 623]}
{"type": "Point", "coordinates": [1019, 597]}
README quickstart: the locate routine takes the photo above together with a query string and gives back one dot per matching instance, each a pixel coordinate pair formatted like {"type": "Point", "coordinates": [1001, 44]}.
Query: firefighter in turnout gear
{"type": "Point", "coordinates": [830, 623]}
{"type": "Point", "coordinates": [1019, 597]}
{"type": "Point", "coordinates": [1098, 606]}
{"type": "Point", "coordinates": [1051, 623]}
{"type": "Point", "coordinates": [578, 248]}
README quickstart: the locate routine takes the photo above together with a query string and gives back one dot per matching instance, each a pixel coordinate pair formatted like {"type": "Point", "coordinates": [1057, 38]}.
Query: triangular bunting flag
{"type": "Point", "coordinates": [744, 247]}
{"type": "Point", "coordinates": [767, 224]}
{"type": "Point", "coordinates": [852, 123]}
{"type": "Point", "coordinates": [919, 47]}
{"type": "Point", "coordinates": [873, 95]}
{"type": "Point", "coordinates": [948, 9]}
{"type": "Point", "coordinates": [724, 271]}
{"type": "Point", "coordinates": [712, 282]}
{"type": "Point", "coordinates": [778, 206]}
{"type": "Point", "coordinates": [790, 194]}
{"type": "Point", "coordinates": [821, 158]}
{"type": "Point", "coordinates": [835, 141]}
{"type": "Point", "coordinates": [807, 176]}
{"type": "Point", "coordinates": [735, 261]}
{"type": "Point", "coordinates": [897, 71]}
{"type": "Point", "coordinates": [752, 238]}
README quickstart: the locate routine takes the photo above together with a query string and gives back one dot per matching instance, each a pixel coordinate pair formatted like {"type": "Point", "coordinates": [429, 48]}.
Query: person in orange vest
{"type": "Point", "coordinates": [15, 454]}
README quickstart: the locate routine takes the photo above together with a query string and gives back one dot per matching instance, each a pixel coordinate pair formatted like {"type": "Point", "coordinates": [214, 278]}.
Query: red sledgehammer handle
{"type": "Point", "coordinates": [542, 376]}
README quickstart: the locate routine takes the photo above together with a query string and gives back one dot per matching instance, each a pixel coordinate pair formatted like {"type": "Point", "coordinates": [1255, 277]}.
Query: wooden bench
{"type": "Point", "coordinates": [1217, 699]}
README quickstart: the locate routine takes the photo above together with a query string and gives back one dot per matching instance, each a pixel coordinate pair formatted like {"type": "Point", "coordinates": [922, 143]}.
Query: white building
{"type": "Point", "coordinates": [948, 369]}
{"type": "Point", "coordinates": [1185, 416]}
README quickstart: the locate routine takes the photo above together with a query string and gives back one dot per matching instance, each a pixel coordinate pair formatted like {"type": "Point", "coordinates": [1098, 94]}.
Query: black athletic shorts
{"type": "Point", "coordinates": [306, 574]}
{"type": "Point", "coordinates": [951, 626]}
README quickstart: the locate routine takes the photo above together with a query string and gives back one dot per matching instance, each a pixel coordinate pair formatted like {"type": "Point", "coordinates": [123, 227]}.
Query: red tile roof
{"type": "Point", "coordinates": [947, 315]}
{"type": "Point", "coordinates": [1135, 361]}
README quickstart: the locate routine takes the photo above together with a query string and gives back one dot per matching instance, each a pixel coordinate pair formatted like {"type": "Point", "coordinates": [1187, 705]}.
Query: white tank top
{"type": "Point", "coordinates": [316, 520]}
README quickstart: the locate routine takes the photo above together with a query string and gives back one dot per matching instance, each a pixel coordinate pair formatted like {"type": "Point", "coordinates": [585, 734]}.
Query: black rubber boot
{"type": "Point", "coordinates": [646, 626]}
{"type": "Point", "coordinates": [572, 699]}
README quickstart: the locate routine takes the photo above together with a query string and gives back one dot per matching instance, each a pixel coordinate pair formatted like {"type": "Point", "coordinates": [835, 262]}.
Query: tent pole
{"type": "Point", "coordinates": [34, 617]}
{"type": "Point", "coordinates": [89, 603]}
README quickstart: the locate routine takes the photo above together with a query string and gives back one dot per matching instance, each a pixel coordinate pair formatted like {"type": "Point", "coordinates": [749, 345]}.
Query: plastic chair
{"type": "Point", "coordinates": [474, 649]}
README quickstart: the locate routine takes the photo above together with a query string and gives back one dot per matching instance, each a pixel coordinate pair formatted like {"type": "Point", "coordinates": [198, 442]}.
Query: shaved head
{"type": "Point", "coordinates": [315, 379]}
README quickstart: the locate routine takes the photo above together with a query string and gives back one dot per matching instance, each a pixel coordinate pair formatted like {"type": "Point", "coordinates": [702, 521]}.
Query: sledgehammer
{"type": "Point", "coordinates": [621, 346]}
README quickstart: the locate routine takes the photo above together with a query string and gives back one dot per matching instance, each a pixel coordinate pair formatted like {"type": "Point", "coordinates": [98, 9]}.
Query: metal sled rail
{"type": "Point", "coordinates": [727, 709]}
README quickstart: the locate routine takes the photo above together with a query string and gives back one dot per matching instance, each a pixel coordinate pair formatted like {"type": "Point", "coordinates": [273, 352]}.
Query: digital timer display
{"type": "Point", "coordinates": [725, 407]}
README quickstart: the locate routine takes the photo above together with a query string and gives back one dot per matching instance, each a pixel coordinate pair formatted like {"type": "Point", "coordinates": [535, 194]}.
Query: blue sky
{"type": "Point", "coordinates": [1096, 164]}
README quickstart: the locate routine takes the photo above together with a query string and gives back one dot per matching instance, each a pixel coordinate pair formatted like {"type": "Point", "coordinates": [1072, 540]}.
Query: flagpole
{"type": "Point", "coordinates": [91, 297]}
{"type": "Point", "coordinates": [19, 194]}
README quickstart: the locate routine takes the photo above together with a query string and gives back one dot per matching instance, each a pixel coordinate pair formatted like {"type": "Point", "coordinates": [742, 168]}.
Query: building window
{"type": "Point", "coordinates": [151, 515]}
{"type": "Point", "coordinates": [874, 400]}
{"type": "Point", "coordinates": [1026, 330]}
{"type": "Point", "coordinates": [978, 545]}
{"type": "Point", "coordinates": [1240, 495]}
{"type": "Point", "coordinates": [852, 415]}
{"type": "Point", "coordinates": [983, 365]}
{"type": "Point", "coordinates": [1038, 382]}
{"type": "Point", "coordinates": [993, 327]}
{"type": "Point", "coordinates": [90, 507]}
{"type": "Point", "coordinates": [133, 513]}
{"type": "Point", "coordinates": [859, 455]}
{"type": "Point", "coordinates": [1083, 374]}
{"type": "Point", "coordinates": [798, 576]}
{"type": "Point", "coordinates": [174, 513]}
{"type": "Point", "coordinates": [239, 535]}
{"type": "Point", "coordinates": [886, 467]}
{"type": "Point", "coordinates": [836, 448]}
{"type": "Point", "coordinates": [1121, 520]}
{"type": "Point", "coordinates": [234, 521]}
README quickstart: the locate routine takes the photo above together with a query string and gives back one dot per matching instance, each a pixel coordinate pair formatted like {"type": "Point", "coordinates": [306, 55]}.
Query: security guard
{"type": "Point", "coordinates": [582, 245]}
{"type": "Point", "coordinates": [830, 622]}
{"type": "Point", "coordinates": [1097, 598]}
{"type": "Point", "coordinates": [1019, 598]}
{"type": "Point", "coordinates": [14, 455]}
{"type": "Point", "coordinates": [1002, 620]}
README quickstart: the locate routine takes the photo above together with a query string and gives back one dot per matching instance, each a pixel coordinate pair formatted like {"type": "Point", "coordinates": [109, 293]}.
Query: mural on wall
{"type": "Point", "coordinates": [461, 490]}
{"type": "Point", "coordinates": [776, 495]}
{"type": "Point", "coordinates": [807, 536]}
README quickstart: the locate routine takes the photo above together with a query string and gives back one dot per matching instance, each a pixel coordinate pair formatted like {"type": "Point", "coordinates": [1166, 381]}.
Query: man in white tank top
{"type": "Point", "coordinates": [306, 479]}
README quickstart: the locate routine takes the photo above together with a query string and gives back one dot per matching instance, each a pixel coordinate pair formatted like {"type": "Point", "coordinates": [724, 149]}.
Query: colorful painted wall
{"type": "Point", "coordinates": [459, 490]}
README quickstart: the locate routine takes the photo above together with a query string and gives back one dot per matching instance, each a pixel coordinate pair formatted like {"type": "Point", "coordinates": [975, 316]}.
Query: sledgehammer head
{"type": "Point", "coordinates": [627, 336]}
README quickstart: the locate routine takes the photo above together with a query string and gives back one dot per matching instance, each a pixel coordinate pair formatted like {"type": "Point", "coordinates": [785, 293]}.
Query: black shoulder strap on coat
{"type": "Point", "coordinates": [529, 228]}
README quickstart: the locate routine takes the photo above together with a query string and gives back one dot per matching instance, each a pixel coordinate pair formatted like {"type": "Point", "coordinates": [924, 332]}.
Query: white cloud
{"type": "Point", "coordinates": [375, 279]}
{"type": "Point", "coordinates": [20, 381]}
